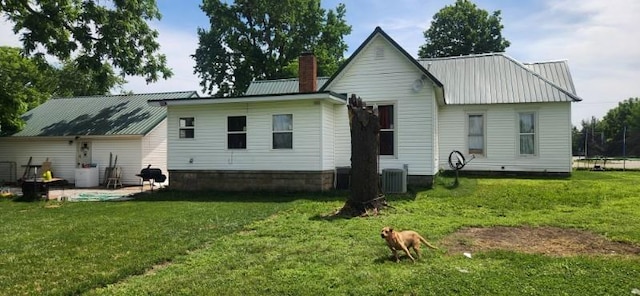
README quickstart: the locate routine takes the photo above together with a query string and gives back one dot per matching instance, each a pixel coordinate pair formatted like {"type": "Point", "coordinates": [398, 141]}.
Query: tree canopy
{"type": "Point", "coordinates": [616, 134]}
{"type": "Point", "coordinates": [463, 29]}
{"type": "Point", "coordinates": [91, 32]}
{"type": "Point", "coordinates": [26, 82]}
{"type": "Point", "coordinates": [262, 39]}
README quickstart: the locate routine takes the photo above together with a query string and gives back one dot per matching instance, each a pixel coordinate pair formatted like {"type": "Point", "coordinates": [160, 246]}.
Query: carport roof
{"type": "Point", "coordinates": [104, 115]}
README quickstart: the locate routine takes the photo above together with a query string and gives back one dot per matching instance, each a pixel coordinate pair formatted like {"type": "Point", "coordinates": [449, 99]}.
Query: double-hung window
{"type": "Point", "coordinates": [476, 134]}
{"type": "Point", "coordinates": [527, 133]}
{"type": "Point", "coordinates": [387, 134]}
{"type": "Point", "coordinates": [187, 128]}
{"type": "Point", "coordinates": [237, 132]}
{"type": "Point", "coordinates": [282, 127]}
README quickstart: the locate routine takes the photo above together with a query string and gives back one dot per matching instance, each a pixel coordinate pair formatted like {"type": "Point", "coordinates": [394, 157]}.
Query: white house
{"type": "Point", "coordinates": [292, 134]}
{"type": "Point", "coordinates": [75, 132]}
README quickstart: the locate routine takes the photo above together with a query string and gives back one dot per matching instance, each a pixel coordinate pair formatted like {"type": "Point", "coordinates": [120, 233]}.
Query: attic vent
{"type": "Point", "coordinates": [379, 52]}
{"type": "Point", "coordinates": [394, 180]}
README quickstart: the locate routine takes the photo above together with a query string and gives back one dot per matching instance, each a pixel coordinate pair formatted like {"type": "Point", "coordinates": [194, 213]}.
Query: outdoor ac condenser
{"type": "Point", "coordinates": [394, 180]}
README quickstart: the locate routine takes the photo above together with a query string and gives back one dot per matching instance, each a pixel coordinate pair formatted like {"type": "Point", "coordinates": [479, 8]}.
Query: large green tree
{"type": "Point", "coordinates": [26, 82]}
{"type": "Point", "coordinates": [91, 32]}
{"type": "Point", "coordinates": [621, 128]}
{"type": "Point", "coordinates": [462, 29]}
{"type": "Point", "coordinates": [73, 80]}
{"type": "Point", "coordinates": [262, 39]}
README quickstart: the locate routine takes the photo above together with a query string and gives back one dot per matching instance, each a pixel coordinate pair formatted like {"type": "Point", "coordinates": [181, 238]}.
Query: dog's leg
{"type": "Point", "coordinates": [416, 248]}
{"type": "Point", "coordinates": [404, 248]}
{"type": "Point", "coordinates": [395, 254]}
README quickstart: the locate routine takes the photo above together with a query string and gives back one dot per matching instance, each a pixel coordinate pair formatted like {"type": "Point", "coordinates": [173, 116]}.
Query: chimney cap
{"type": "Point", "coordinates": [307, 53]}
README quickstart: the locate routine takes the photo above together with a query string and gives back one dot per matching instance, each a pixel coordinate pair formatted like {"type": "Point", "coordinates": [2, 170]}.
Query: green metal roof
{"type": "Point", "coordinates": [98, 115]}
{"type": "Point", "coordinates": [277, 86]}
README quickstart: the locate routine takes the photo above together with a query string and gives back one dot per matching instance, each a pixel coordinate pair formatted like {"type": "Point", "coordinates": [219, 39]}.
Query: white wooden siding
{"type": "Point", "coordinates": [327, 137]}
{"type": "Point", "coordinates": [208, 150]}
{"type": "Point", "coordinates": [128, 152]}
{"type": "Point", "coordinates": [154, 149]}
{"type": "Point", "coordinates": [553, 136]}
{"type": "Point", "coordinates": [390, 80]}
{"type": "Point", "coordinates": [62, 155]}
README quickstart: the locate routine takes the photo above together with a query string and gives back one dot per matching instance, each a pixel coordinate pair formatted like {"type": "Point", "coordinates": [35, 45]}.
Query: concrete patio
{"type": "Point", "coordinates": [70, 193]}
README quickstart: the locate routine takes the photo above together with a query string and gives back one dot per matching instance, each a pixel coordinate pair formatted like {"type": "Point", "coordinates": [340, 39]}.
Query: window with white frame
{"type": "Point", "coordinates": [237, 132]}
{"type": "Point", "coordinates": [387, 131]}
{"type": "Point", "coordinates": [476, 134]}
{"type": "Point", "coordinates": [282, 131]}
{"type": "Point", "coordinates": [527, 133]}
{"type": "Point", "coordinates": [187, 128]}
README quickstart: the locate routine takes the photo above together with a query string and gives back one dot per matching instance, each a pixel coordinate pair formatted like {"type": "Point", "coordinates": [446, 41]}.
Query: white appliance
{"type": "Point", "coordinates": [87, 177]}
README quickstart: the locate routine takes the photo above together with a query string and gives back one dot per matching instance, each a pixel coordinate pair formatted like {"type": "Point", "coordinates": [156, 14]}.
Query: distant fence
{"type": "Point", "coordinates": [8, 172]}
{"type": "Point", "coordinates": [606, 163]}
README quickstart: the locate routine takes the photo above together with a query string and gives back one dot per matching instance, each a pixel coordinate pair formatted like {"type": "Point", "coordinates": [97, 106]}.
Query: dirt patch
{"type": "Point", "coordinates": [551, 241]}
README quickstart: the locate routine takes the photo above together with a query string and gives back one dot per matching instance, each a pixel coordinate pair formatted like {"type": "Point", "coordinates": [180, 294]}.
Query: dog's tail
{"type": "Point", "coordinates": [426, 242]}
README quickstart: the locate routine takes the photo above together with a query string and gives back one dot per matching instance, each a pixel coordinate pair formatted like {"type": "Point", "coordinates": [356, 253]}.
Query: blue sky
{"type": "Point", "coordinates": [599, 39]}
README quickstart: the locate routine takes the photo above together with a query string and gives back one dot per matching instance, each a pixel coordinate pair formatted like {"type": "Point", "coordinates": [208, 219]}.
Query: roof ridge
{"type": "Point", "coordinates": [467, 56]}
{"type": "Point", "coordinates": [547, 62]}
{"type": "Point", "coordinates": [283, 79]}
{"type": "Point", "coordinates": [539, 76]}
{"type": "Point", "coordinates": [127, 95]}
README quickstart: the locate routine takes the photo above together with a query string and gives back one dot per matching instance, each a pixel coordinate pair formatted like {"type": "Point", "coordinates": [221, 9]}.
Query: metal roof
{"type": "Point", "coordinates": [97, 115]}
{"type": "Point", "coordinates": [495, 78]}
{"type": "Point", "coordinates": [277, 86]}
{"type": "Point", "coordinates": [554, 71]}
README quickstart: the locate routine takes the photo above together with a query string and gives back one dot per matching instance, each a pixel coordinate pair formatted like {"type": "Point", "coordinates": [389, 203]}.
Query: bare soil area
{"type": "Point", "coordinates": [550, 241]}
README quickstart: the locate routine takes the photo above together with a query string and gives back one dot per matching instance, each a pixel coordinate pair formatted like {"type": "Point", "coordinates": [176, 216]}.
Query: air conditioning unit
{"type": "Point", "coordinates": [394, 180]}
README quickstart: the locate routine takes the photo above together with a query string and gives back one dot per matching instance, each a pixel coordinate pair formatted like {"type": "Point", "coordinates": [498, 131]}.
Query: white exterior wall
{"type": "Point", "coordinates": [62, 155]}
{"type": "Point", "coordinates": [154, 149]}
{"type": "Point", "coordinates": [129, 155]}
{"type": "Point", "coordinates": [209, 147]}
{"type": "Point", "coordinates": [553, 137]}
{"type": "Point", "coordinates": [328, 134]}
{"type": "Point", "coordinates": [389, 80]}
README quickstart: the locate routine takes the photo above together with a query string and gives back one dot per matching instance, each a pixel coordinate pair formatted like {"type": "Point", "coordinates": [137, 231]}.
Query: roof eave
{"type": "Point", "coordinates": [329, 96]}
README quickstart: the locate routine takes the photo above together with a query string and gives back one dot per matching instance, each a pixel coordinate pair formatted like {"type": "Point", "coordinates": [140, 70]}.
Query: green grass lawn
{"type": "Point", "coordinates": [232, 244]}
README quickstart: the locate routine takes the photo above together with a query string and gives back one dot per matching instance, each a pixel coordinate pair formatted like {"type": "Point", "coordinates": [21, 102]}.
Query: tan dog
{"type": "Point", "coordinates": [403, 240]}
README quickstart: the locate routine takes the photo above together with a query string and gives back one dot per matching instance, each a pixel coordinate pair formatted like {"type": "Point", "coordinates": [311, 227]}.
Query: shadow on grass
{"type": "Point", "coordinates": [410, 195]}
{"type": "Point", "coordinates": [221, 196]}
{"type": "Point", "coordinates": [167, 194]}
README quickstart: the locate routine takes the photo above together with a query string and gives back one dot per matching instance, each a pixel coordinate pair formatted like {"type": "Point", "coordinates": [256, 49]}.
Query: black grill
{"type": "Point", "coordinates": [154, 174]}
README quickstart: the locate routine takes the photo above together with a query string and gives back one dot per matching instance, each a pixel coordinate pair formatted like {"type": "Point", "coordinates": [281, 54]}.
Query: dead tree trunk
{"type": "Point", "coordinates": [365, 131]}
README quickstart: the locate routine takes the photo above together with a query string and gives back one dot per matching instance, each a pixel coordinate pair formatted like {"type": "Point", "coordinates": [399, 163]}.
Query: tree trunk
{"type": "Point", "coordinates": [365, 131]}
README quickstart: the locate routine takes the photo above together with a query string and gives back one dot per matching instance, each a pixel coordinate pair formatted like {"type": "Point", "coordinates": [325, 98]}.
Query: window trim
{"type": "Point", "coordinates": [536, 147]}
{"type": "Point", "coordinates": [242, 132]}
{"type": "Point", "coordinates": [484, 132]}
{"type": "Point", "coordinates": [186, 127]}
{"type": "Point", "coordinates": [394, 128]}
{"type": "Point", "coordinates": [273, 131]}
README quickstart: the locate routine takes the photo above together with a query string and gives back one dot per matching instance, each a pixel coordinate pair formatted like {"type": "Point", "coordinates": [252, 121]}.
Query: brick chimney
{"type": "Point", "coordinates": [307, 73]}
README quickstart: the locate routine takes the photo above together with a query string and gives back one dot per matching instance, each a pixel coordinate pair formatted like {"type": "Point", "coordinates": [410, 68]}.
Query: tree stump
{"type": "Point", "coordinates": [365, 182]}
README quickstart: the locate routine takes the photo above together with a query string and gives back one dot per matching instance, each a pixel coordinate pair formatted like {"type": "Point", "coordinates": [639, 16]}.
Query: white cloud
{"type": "Point", "coordinates": [601, 42]}
{"type": "Point", "coordinates": [178, 46]}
